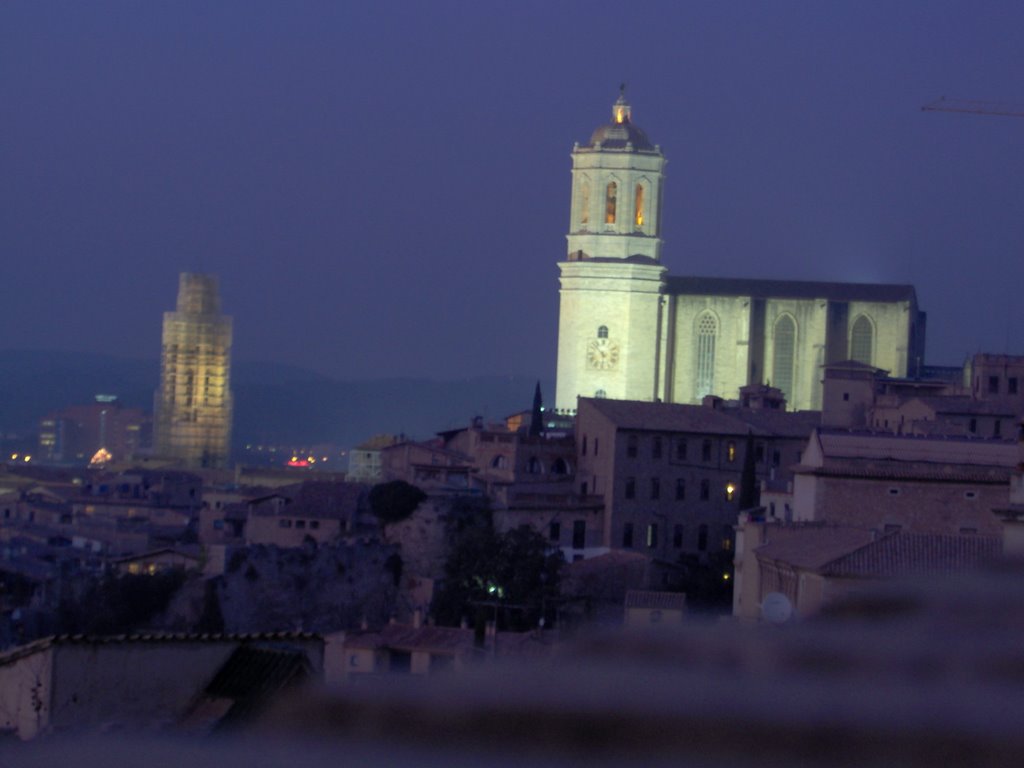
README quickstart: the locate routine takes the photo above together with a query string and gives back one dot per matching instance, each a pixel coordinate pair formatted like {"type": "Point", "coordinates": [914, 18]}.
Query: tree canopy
{"type": "Point", "coordinates": [395, 501]}
{"type": "Point", "coordinates": [513, 576]}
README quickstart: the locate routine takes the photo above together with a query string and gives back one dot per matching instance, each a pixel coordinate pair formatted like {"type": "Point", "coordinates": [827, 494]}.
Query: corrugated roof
{"type": "Point", "coordinates": [789, 289]}
{"type": "Point", "coordinates": [662, 601]}
{"type": "Point", "coordinates": [916, 554]}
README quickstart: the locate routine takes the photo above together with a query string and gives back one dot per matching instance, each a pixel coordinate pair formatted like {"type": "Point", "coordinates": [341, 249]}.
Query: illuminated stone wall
{"type": "Point", "coordinates": [193, 404]}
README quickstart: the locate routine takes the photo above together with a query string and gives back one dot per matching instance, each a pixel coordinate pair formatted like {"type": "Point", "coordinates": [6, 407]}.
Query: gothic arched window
{"type": "Point", "coordinates": [585, 202]}
{"type": "Point", "coordinates": [707, 329]}
{"type": "Point", "coordinates": [638, 216]}
{"type": "Point", "coordinates": [783, 356]}
{"type": "Point", "coordinates": [602, 332]}
{"type": "Point", "coordinates": [611, 192]}
{"type": "Point", "coordinates": [862, 340]}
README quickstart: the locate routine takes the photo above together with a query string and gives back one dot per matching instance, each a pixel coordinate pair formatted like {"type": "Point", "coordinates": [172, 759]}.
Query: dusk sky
{"type": "Point", "coordinates": [383, 188]}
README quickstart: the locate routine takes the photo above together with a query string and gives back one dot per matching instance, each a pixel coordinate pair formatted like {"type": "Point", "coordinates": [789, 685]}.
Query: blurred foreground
{"type": "Point", "coordinates": [921, 675]}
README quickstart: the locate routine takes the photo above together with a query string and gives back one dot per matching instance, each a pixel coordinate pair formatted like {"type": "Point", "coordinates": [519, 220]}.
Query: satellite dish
{"type": "Point", "coordinates": [776, 608]}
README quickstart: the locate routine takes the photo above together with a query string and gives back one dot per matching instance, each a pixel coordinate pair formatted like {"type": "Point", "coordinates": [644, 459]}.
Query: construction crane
{"type": "Point", "coordinates": [974, 107]}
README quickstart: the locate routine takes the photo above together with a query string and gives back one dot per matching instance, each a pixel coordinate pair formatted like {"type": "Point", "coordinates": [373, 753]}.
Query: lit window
{"type": "Point", "coordinates": [730, 451]}
{"type": "Point", "coordinates": [730, 491]}
{"type": "Point", "coordinates": [639, 198]}
{"type": "Point", "coordinates": [609, 202]}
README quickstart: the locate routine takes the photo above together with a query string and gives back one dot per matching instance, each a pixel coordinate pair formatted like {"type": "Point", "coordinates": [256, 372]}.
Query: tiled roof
{"type": "Point", "coordinates": [954, 405]}
{"type": "Point", "coordinates": [663, 601]}
{"type": "Point", "coordinates": [44, 643]}
{"type": "Point", "coordinates": [949, 450]}
{"type": "Point", "coordinates": [317, 499]}
{"type": "Point", "coordinates": [445, 640]}
{"type": "Point", "coordinates": [906, 554]}
{"type": "Point", "coordinates": [252, 676]}
{"type": "Point", "coordinates": [811, 546]}
{"type": "Point", "coordinates": [891, 469]}
{"type": "Point", "coordinates": [790, 289]}
{"type": "Point", "coordinates": [409, 638]}
{"type": "Point", "coordinates": [701, 419]}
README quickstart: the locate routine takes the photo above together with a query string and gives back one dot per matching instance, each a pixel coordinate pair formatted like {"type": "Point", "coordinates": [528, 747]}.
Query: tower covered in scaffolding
{"type": "Point", "coordinates": [193, 405]}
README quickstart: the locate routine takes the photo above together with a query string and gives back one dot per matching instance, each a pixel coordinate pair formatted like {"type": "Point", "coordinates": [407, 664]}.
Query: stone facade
{"type": "Point", "coordinates": [668, 476]}
{"type": "Point", "coordinates": [889, 482]}
{"type": "Point", "coordinates": [629, 331]}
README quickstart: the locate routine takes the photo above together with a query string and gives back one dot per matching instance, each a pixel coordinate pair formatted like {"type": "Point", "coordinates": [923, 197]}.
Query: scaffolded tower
{"type": "Point", "coordinates": [193, 404]}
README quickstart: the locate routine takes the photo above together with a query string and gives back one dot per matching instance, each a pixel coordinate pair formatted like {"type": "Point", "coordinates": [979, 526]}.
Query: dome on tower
{"type": "Point", "coordinates": [621, 133]}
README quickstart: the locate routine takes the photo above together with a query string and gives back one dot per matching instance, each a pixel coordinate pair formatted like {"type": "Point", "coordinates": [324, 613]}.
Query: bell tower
{"type": "Point", "coordinates": [612, 278]}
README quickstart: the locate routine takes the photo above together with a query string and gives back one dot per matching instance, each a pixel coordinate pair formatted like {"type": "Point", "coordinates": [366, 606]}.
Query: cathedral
{"type": "Point", "coordinates": [629, 330]}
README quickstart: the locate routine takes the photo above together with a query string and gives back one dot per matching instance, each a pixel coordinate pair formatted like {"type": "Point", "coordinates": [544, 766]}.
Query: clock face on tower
{"type": "Point", "coordinates": [602, 354]}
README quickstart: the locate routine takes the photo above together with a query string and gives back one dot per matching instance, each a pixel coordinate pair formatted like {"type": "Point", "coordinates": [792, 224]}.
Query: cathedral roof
{"type": "Point", "coordinates": [621, 133]}
{"type": "Point", "coordinates": [789, 289]}
{"type": "Point", "coordinates": [617, 136]}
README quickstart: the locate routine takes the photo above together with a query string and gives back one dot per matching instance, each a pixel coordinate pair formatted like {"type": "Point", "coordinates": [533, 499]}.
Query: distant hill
{"type": "Point", "coordinates": [274, 403]}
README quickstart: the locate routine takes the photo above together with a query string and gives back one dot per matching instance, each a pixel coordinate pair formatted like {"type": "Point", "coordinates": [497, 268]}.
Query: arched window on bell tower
{"type": "Point", "coordinates": [638, 206]}
{"type": "Point", "coordinates": [707, 330]}
{"type": "Point", "coordinates": [584, 203]}
{"type": "Point", "coordinates": [610, 195]}
{"type": "Point", "coordinates": [862, 337]}
{"type": "Point", "coordinates": [602, 332]}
